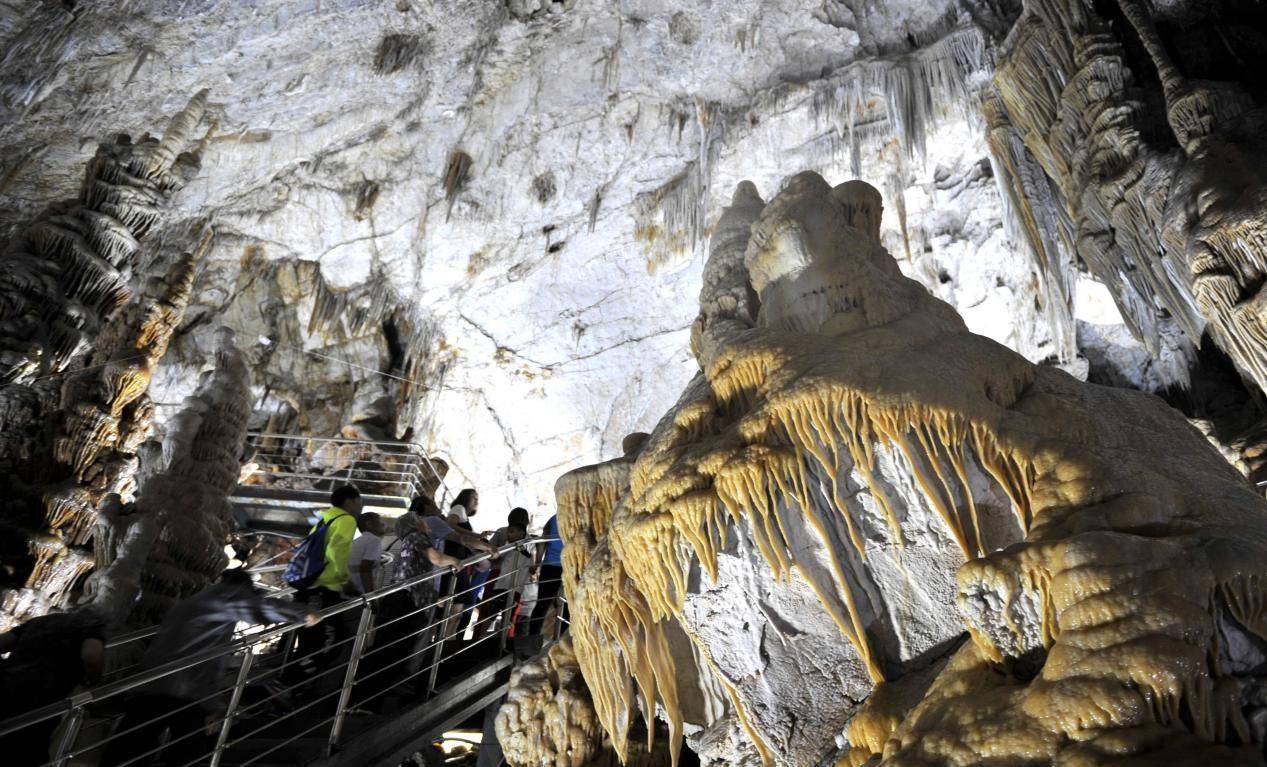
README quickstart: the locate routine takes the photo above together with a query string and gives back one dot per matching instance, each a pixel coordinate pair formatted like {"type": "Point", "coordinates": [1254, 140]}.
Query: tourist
{"type": "Point", "coordinates": [549, 576]}
{"type": "Point", "coordinates": [454, 536]}
{"type": "Point", "coordinates": [49, 656]}
{"type": "Point", "coordinates": [404, 614]}
{"type": "Point", "coordinates": [441, 531]}
{"type": "Point", "coordinates": [180, 702]}
{"type": "Point", "coordinates": [464, 506]}
{"type": "Point", "coordinates": [327, 589]}
{"type": "Point", "coordinates": [471, 582]}
{"type": "Point", "coordinates": [512, 571]}
{"type": "Point", "coordinates": [365, 559]}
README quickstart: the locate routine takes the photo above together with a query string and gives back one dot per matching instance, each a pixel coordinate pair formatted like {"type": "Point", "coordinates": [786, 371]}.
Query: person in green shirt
{"type": "Point", "coordinates": [345, 507]}
{"type": "Point", "coordinates": [327, 590]}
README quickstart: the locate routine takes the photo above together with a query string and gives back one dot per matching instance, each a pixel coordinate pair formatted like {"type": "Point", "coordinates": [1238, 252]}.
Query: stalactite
{"type": "Point", "coordinates": [1036, 222]}
{"type": "Point", "coordinates": [549, 719]}
{"type": "Point", "coordinates": [675, 215]}
{"type": "Point", "coordinates": [78, 277]}
{"type": "Point", "coordinates": [586, 499]}
{"type": "Point", "coordinates": [338, 313]}
{"type": "Point", "coordinates": [1166, 230]}
{"type": "Point", "coordinates": [608, 612]}
{"type": "Point", "coordinates": [914, 88]}
{"type": "Point", "coordinates": [397, 51]}
{"type": "Point", "coordinates": [457, 171]}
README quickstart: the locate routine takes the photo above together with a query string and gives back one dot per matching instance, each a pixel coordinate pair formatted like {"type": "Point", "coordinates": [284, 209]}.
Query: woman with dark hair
{"type": "Point", "coordinates": [470, 580]}
{"type": "Point", "coordinates": [403, 614]}
{"type": "Point", "coordinates": [463, 508]}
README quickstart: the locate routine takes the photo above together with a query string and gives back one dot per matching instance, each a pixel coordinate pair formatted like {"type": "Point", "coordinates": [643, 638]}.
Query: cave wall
{"type": "Point", "coordinates": [1128, 135]}
{"type": "Point", "coordinates": [523, 214]}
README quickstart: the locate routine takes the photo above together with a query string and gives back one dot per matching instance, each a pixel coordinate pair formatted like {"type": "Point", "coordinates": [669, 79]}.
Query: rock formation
{"type": "Point", "coordinates": [170, 542]}
{"type": "Point", "coordinates": [333, 170]}
{"type": "Point", "coordinates": [853, 463]}
{"type": "Point", "coordinates": [87, 314]}
{"type": "Point", "coordinates": [548, 719]}
{"type": "Point", "coordinates": [1115, 151]}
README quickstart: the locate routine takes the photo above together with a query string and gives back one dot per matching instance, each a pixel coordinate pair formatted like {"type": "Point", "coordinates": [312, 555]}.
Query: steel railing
{"type": "Point", "coordinates": [294, 461]}
{"type": "Point", "coordinates": [392, 651]}
{"type": "Point", "coordinates": [114, 643]}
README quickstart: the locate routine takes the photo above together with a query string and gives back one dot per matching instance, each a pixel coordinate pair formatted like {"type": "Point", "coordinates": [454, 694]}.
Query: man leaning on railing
{"type": "Point", "coordinates": [177, 702]}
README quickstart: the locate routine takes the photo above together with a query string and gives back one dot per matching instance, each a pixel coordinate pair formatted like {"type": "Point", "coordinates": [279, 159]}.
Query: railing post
{"type": "Point", "coordinates": [244, 671]}
{"type": "Point", "coordinates": [508, 608]}
{"type": "Point", "coordinates": [444, 631]}
{"type": "Point", "coordinates": [349, 678]}
{"type": "Point", "coordinates": [69, 734]}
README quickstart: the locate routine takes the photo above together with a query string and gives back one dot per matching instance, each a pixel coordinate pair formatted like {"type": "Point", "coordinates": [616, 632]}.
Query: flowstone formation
{"type": "Point", "coordinates": [1130, 134]}
{"type": "Point", "coordinates": [1025, 569]}
{"type": "Point", "coordinates": [548, 719]}
{"type": "Point", "coordinates": [87, 311]}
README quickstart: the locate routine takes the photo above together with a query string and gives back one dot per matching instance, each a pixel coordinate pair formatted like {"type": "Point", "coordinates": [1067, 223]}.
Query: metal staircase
{"type": "Point", "coordinates": [292, 475]}
{"type": "Point", "coordinates": [421, 679]}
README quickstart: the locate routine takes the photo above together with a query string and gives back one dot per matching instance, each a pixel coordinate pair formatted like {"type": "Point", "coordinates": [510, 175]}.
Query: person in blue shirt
{"type": "Point", "coordinates": [549, 569]}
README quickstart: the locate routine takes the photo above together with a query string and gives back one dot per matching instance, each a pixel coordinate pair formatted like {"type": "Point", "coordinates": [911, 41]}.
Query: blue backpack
{"type": "Point", "coordinates": [309, 559]}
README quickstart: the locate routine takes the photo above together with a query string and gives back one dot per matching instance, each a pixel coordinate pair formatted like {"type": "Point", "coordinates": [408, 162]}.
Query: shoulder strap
{"type": "Point", "coordinates": [323, 524]}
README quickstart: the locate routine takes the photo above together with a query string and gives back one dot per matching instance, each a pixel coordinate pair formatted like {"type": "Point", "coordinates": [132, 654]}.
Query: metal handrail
{"type": "Point", "coordinates": [113, 689]}
{"type": "Point", "coordinates": [411, 454]}
{"type": "Point", "coordinates": [348, 440]}
{"type": "Point", "coordinates": [297, 475]}
{"type": "Point", "coordinates": [360, 470]}
{"type": "Point", "coordinates": [149, 631]}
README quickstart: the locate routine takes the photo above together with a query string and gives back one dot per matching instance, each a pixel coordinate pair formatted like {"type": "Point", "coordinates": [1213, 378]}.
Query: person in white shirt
{"type": "Point", "coordinates": [463, 508]}
{"type": "Point", "coordinates": [366, 556]}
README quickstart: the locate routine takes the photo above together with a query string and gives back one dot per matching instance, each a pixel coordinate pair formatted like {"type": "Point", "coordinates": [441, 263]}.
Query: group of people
{"type": "Point", "coordinates": [48, 657]}
{"type": "Point", "coordinates": [360, 557]}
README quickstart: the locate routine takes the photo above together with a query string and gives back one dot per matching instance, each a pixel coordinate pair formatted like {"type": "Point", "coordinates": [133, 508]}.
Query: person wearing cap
{"type": "Point", "coordinates": [512, 572]}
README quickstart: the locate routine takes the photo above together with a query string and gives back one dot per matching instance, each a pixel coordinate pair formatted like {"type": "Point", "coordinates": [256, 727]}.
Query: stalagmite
{"type": "Point", "coordinates": [180, 522]}
{"type": "Point", "coordinates": [1086, 641]}
{"type": "Point", "coordinates": [548, 719]}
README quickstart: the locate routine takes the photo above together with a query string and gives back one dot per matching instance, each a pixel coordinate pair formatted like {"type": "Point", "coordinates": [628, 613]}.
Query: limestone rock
{"type": "Point", "coordinates": [856, 464]}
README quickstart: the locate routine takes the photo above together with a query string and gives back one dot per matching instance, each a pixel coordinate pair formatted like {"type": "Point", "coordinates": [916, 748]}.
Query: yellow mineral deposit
{"type": "Point", "coordinates": [548, 719]}
{"type": "Point", "coordinates": [1088, 643]}
{"type": "Point", "coordinates": [617, 640]}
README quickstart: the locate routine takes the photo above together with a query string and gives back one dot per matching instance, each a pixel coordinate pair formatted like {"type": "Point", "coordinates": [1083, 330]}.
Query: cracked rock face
{"type": "Point", "coordinates": [557, 264]}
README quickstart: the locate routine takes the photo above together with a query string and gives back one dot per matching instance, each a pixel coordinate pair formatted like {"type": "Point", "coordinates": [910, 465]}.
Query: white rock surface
{"type": "Point", "coordinates": [1114, 355]}
{"type": "Point", "coordinates": [797, 677]}
{"type": "Point", "coordinates": [547, 308]}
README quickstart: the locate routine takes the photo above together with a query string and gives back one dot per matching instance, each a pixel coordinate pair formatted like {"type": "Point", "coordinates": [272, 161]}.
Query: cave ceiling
{"type": "Point", "coordinates": [530, 185]}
